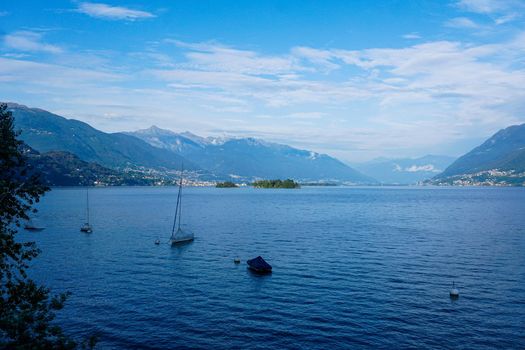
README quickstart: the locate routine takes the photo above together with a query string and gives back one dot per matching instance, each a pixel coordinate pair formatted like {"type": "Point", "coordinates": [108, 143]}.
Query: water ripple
{"type": "Point", "coordinates": [353, 268]}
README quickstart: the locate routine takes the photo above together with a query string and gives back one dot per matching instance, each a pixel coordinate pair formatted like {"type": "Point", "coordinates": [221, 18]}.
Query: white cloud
{"type": "Point", "coordinates": [51, 76]}
{"type": "Point", "coordinates": [412, 36]}
{"type": "Point", "coordinates": [307, 115]}
{"type": "Point", "coordinates": [482, 6]}
{"type": "Point", "coordinates": [219, 58]}
{"type": "Point", "coordinates": [105, 11]}
{"type": "Point", "coordinates": [318, 57]}
{"type": "Point", "coordinates": [433, 71]}
{"type": "Point", "coordinates": [506, 18]}
{"type": "Point", "coordinates": [349, 103]}
{"type": "Point", "coordinates": [501, 11]}
{"type": "Point", "coordinates": [440, 85]}
{"type": "Point", "coordinates": [461, 22]}
{"type": "Point", "coordinates": [418, 168]}
{"type": "Point", "coordinates": [30, 42]}
{"type": "Point", "coordinates": [16, 55]}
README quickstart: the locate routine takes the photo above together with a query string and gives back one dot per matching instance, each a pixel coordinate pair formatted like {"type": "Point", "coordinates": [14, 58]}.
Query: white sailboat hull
{"type": "Point", "coordinates": [86, 228]}
{"type": "Point", "coordinates": [181, 240]}
{"type": "Point", "coordinates": [180, 236]}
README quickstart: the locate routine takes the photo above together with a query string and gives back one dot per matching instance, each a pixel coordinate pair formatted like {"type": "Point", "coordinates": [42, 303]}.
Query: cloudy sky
{"type": "Point", "coordinates": [355, 79]}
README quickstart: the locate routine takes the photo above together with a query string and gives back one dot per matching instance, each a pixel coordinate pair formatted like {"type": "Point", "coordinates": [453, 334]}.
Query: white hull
{"type": "Point", "coordinates": [180, 236]}
{"type": "Point", "coordinates": [181, 241]}
{"type": "Point", "coordinates": [86, 229]}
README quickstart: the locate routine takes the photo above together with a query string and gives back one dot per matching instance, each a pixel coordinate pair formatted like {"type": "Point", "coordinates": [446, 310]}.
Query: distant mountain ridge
{"type": "Point", "coordinates": [240, 159]}
{"type": "Point", "coordinates": [155, 155]}
{"type": "Point", "coordinates": [405, 171]}
{"type": "Point", "coordinates": [251, 158]}
{"type": "Point", "coordinates": [168, 139]}
{"type": "Point", "coordinates": [498, 161]}
{"type": "Point", "coordinates": [45, 131]}
{"type": "Point", "coordinates": [505, 150]}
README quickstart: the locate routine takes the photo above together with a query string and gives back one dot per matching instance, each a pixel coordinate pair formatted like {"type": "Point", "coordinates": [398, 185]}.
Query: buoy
{"type": "Point", "coordinates": [157, 241]}
{"type": "Point", "coordinates": [454, 292]}
{"type": "Point", "coordinates": [237, 260]}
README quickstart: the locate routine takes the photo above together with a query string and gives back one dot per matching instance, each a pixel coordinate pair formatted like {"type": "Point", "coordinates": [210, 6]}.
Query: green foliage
{"type": "Point", "coordinates": [288, 183]}
{"type": "Point", "coordinates": [59, 168]}
{"type": "Point", "coordinates": [26, 309]}
{"type": "Point", "coordinates": [226, 184]}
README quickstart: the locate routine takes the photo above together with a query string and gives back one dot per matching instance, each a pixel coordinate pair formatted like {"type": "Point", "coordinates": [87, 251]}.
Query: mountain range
{"type": "Point", "coordinates": [241, 159]}
{"type": "Point", "coordinates": [45, 131]}
{"type": "Point", "coordinates": [498, 161]}
{"type": "Point", "coordinates": [246, 158]}
{"type": "Point", "coordinates": [405, 171]}
{"type": "Point", "coordinates": [505, 150]}
{"type": "Point", "coordinates": [70, 151]}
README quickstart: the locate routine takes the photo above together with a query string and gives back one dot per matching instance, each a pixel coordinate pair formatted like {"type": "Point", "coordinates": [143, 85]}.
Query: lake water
{"type": "Point", "coordinates": [353, 267]}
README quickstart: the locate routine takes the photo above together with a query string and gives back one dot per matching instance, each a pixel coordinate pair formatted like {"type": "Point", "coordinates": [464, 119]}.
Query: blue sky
{"type": "Point", "coordinates": [354, 79]}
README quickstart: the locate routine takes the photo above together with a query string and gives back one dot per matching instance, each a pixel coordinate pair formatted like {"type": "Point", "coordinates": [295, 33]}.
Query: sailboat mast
{"type": "Point", "coordinates": [178, 208]}
{"type": "Point", "coordinates": [180, 194]}
{"type": "Point", "coordinates": [87, 204]}
{"type": "Point", "coordinates": [176, 212]}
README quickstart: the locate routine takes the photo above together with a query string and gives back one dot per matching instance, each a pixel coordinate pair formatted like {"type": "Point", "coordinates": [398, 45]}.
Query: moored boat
{"type": "Point", "coordinates": [86, 228]}
{"type": "Point", "coordinates": [454, 292]}
{"type": "Point", "coordinates": [259, 265]}
{"type": "Point", "coordinates": [178, 235]}
{"type": "Point", "coordinates": [30, 226]}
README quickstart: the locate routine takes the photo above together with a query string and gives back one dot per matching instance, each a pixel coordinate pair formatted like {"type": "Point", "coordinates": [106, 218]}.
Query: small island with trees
{"type": "Point", "coordinates": [226, 184]}
{"type": "Point", "coordinates": [288, 183]}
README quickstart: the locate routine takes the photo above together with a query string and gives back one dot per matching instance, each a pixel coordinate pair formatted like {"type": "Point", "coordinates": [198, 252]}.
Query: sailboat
{"type": "Point", "coordinates": [86, 227]}
{"type": "Point", "coordinates": [179, 236]}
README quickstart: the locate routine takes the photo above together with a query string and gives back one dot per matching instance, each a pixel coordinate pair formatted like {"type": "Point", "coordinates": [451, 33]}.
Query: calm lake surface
{"type": "Point", "coordinates": [353, 267]}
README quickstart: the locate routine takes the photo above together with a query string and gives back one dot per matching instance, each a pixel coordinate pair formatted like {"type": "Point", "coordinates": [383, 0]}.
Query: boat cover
{"type": "Point", "coordinates": [259, 263]}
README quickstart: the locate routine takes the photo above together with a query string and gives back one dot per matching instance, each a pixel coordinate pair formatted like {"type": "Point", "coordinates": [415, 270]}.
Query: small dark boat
{"type": "Point", "coordinates": [29, 226]}
{"type": "Point", "coordinates": [259, 265]}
